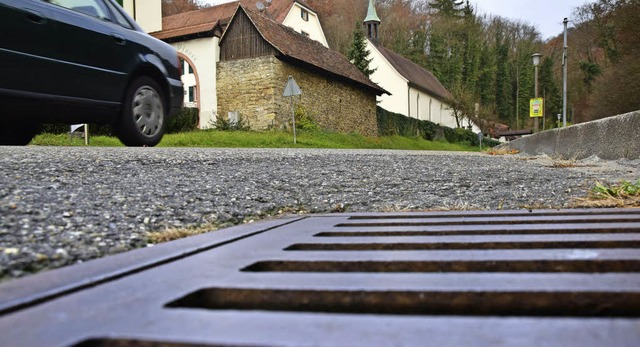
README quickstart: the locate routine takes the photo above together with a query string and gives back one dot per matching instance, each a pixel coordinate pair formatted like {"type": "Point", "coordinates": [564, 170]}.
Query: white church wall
{"type": "Point", "coordinates": [389, 79]}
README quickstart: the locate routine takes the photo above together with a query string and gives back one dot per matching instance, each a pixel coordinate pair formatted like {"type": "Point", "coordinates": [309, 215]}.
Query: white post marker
{"type": "Point", "coordinates": [290, 90]}
{"type": "Point", "coordinates": [75, 127]}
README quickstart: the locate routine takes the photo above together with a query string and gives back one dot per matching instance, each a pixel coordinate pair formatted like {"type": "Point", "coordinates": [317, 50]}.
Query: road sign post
{"type": "Point", "coordinates": [290, 90]}
{"type": "Point", "coordinates": [536, 108]}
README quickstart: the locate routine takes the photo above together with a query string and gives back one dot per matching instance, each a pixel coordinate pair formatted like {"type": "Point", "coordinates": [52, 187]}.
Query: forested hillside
{"type": "Point", "coordinates": [487, 59]}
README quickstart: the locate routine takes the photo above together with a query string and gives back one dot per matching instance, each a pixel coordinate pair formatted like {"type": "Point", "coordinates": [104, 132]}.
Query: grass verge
{"type": "Point", "coordinates": [156, 237]}
{"type": "Point", "coordinates": [501, 151]}
{"type": "Point", "coordinates": [269, 139]}
{"type": "Point", "coordinates": [623, 194]}
{"type": "Point", "coordinates": [562, 163]}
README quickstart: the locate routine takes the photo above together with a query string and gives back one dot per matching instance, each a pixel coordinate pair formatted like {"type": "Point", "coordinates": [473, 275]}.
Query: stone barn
{"type": "Point", "coordinates": [258, 54]}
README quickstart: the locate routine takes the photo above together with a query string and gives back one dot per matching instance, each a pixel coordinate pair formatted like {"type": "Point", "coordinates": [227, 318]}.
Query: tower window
{"type": "Point", "coordinates": [304, 14]}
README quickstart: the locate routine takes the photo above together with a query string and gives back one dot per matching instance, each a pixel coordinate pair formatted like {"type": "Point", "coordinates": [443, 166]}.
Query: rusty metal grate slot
{"type": "Point", "coordinates": [528, 230]}
{"type": "Point", "coordinates": [498, 220]}
{"type": "Point", "coordinates": [584, 266]}
{"type": "Point", "coordinates": [494, 214]}
{"type": "Point", "coordinates": [107, 342]}
{"type": "Point", "coordinates": [410, 246]}
{"type": "Point", "coordinates": [470, 303]}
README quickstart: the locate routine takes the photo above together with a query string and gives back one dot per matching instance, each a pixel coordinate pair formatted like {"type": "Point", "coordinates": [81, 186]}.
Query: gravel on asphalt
{"type": "Point", "coordinates": [66, 205]}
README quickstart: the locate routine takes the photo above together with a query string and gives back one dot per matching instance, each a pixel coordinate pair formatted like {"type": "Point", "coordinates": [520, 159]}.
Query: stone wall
{"type": "Point", "coordinates": [254, 87]}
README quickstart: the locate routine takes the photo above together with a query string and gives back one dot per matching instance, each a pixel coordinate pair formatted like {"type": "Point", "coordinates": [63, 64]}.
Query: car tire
{"type": "Point", "coordinates": [17, 133]}
{"type": "Point", "coordinates": [144, 114]}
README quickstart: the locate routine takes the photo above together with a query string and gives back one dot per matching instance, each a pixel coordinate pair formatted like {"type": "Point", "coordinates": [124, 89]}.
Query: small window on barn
{"type": "Point", "coordinates": [304, 33]}
{"type": "Point", "coordinates": [304, 14]}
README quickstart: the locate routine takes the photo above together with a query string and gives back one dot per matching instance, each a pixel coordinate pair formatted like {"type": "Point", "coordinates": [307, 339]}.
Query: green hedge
{"type": "Point", "coordinates": [186, 120]}
{"type": "Point", "coordinates": [390, 123]}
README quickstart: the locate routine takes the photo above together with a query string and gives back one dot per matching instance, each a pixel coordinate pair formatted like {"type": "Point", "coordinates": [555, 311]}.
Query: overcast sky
{"type": "Point", "coordinates": [545, 15]}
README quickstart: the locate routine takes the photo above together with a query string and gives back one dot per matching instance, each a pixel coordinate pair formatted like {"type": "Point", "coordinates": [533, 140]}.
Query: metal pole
{"type": "Point", "coordinates": [293, 116]}
{"type": "Point", "coordinates": [565, 61]}
{"type": "Point", "coordinates": [535, 119]}
{"type": "Point", "coordinates": [517, 97]}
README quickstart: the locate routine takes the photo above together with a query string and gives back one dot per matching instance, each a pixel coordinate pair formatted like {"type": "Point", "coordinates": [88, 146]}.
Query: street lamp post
{"type": "Point", "coordinates": [565, 60]}
{"type": "Point", "coordinates": [536, 62]}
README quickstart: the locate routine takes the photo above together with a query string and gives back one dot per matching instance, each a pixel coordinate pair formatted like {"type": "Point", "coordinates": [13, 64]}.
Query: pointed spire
{"type": "Point", "coordinates": [372, 15]}
{"type": "Point", "coordinates": [371, 22]}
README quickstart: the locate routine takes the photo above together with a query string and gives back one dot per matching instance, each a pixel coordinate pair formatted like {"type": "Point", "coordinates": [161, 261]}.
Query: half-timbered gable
{"type": "Point", "coordinates": [243, 41]}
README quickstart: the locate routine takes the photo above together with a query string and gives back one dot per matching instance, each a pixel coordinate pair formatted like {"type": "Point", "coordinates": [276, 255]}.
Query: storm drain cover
{"type": "Point", "coordinates": [489, 278]}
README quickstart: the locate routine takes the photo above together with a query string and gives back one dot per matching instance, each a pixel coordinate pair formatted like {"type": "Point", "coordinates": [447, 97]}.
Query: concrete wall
{"type": "Point", "coordinates": [610, 138]}
{"type": "Point", "coordinates": [254, 87]}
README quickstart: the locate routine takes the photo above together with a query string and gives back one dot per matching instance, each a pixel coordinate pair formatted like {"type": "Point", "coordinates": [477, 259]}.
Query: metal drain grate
{"type": "Point", "coordinates": [492, 278]}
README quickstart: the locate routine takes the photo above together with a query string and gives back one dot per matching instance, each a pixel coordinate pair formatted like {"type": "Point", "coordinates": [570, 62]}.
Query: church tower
{"type": "Point", "coordinates": [372, 23]}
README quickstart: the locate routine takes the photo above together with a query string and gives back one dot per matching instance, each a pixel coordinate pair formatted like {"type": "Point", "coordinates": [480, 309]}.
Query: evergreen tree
{"type": "Point", "coordinates": [447, 8]}
{"type": "Point", "coordinates": [358, 53]}
{"type": "Point", "coordinates": [550, 90]}
{"type": "Point", "coordinates": [471, 51]}
{"type": "Point", "coordinates": [503, 80]}
{"type": "Point", "coordinates": [486, 74]}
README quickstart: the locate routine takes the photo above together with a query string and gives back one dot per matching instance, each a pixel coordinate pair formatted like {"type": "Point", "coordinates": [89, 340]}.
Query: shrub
{"type": "Point", "coordinates": [94, 129]}
{"type": "Point", "coordinates": [390, 123]}
{"type": "Point", "coordinates": [186, 120]}
{"type": "Point", "coordinates": [304, 121]}
{"type": "Point", "coordinates": [224, 124]}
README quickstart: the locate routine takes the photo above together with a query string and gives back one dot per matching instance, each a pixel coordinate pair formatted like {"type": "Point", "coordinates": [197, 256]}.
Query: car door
{"type": "Point", "coordinates": [28, 48]}
{"type": "Point", "coordinates": [96, 54]}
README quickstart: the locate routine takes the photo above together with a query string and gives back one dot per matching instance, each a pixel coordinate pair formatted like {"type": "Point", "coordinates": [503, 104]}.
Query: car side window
{"type": "Point", "coordinates": [117, 15]}
{"type": "Point", "coordinates": [92, 8]}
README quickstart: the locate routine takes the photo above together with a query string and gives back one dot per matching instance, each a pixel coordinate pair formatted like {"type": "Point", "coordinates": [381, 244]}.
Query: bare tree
{"type": "Point", "coordinates": [171, 7]}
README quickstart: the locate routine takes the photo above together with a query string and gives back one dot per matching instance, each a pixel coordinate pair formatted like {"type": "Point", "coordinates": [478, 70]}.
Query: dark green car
{"type": "Point", "coordinates": [83, 61]}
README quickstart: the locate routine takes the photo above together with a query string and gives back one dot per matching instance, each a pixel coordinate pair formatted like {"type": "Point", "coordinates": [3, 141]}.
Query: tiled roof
{"type": "Point", "coordinates": [203, 21]}
{"type": "Point", "coordinates": [302, 50]}
{"type": "Point", "coordinates": [279, 9]}
{"type": "Point", "coordinates": [418, 77]}
{"type": "Point", "coordinates": [195, 22]}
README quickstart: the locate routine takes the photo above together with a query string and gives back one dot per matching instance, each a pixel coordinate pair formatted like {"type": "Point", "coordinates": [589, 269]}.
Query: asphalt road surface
{"type": "Point", "coordinates": [60, 205]}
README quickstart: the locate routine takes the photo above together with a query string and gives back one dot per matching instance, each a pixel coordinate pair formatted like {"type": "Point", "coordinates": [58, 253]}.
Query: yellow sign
{"type": "Point", "coordinates": [536, 107]}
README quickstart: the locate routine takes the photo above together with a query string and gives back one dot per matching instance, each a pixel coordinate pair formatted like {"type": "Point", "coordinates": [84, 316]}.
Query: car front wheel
{"type": "Point", "coordinates": [143, 118]}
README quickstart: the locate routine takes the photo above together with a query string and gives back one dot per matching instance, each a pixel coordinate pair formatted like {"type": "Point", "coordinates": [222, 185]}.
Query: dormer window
{"type": "Point", "coordinates": [304, 14]}
{"type": "Point", "coordinates": [304, 33]}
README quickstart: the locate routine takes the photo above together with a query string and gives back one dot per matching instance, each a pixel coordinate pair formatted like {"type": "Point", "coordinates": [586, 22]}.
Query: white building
{"type": "Point", "coordinates": [415, 92]}
{"type": "Point", "coordinates": [147, 13]}
{"type": "Point", "coordinates": [196, 37]}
